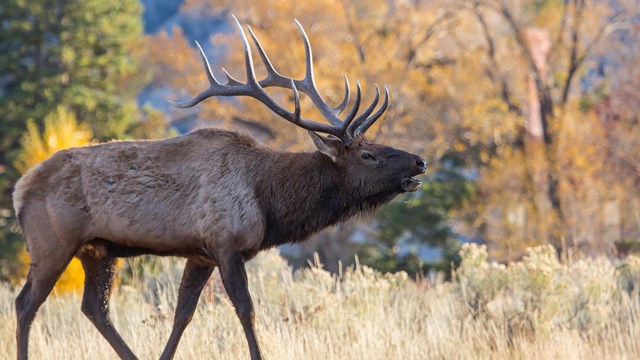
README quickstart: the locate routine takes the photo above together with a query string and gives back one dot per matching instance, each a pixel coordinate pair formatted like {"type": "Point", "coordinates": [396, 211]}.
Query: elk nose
{"type": "Point", "coordinates": [422, 165]}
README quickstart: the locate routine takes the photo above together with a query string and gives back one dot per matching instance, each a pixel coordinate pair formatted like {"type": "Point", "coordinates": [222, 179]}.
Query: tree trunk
{"type": "Point", "coordinates": [539, 143]}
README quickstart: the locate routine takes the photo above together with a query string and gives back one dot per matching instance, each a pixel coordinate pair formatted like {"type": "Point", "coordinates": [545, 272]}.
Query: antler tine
{"type": "Point", "coordinates": [205, 94]}
{"type": "Point", "coordinates": [231, 81]}
{"type": "Point", "coordinates": [296, 98]}
{"type": "Point", "coordinates": [308, 85]}
{"type": "Point", "coordinates": [207, 67]}
{"type": "Point", "coordinates": [308, 56]}
{"type": "Point", "coordinates": [273, 76]}
{"type": "Point", "coordinates": [367, 123]}
{"type": "Point", "coordinates": [360, 119]}
{"type": "Point", "coordinates": [256, 91]}
{"type": "Point", "coordinates": [354, 110]}
{"type": "Point", "coordinates": [248, 60]}
{"type": "Point", "coordinates": [345, 100]}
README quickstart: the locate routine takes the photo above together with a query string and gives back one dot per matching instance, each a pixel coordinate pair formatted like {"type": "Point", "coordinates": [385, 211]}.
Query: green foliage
{"type": "Point", "coordinates": [78, 54]}
{"type": "Point", "coordinates": [420, 219]}
{"type": "Point", "coordinates": [425, 215]}
{"type": "Point", "coordinates": [71, 53]}
{"type": "Point", "coordinates": [10, 245]}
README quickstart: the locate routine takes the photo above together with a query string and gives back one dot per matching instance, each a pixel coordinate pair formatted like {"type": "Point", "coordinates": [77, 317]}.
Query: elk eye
{"type": "Point", "coordinates": [367, 156]}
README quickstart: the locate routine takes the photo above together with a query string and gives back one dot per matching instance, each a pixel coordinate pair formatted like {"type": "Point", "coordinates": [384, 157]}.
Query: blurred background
{"type": "Point", "coordinates": [527, 111]}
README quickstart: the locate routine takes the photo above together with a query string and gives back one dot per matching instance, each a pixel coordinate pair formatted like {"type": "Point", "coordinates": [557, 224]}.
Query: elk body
{"type": "Point", "coordinates": [212, 196]}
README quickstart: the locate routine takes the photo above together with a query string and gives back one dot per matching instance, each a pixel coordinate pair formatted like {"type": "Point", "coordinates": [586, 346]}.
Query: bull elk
{"type": "Point", "coordinates": [212, 196]}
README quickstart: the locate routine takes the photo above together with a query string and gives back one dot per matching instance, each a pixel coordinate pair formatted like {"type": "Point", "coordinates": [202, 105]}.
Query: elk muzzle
{"type": "Point", "coordinates": [410, 184]}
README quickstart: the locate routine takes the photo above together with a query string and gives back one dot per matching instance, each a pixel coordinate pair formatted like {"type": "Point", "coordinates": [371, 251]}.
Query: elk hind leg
{"type": "Point", "coordinates": [234, 279]}
{"type": "Point", "coordinates": [47, 264]}
{"type": "Point", "coordinates": [100, 272]}
{"type": "Point", "coordinates": [193, 281]}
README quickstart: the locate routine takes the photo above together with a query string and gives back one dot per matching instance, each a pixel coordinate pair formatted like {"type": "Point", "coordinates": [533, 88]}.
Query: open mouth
{"type": "Point", "coordinates": [410, 184]}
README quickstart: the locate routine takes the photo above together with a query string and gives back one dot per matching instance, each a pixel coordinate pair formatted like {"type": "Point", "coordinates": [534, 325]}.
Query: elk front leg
{"type": "Point", "coordinates": [193, 281]}
{"type": "Point", "coordinates": [234, 279]}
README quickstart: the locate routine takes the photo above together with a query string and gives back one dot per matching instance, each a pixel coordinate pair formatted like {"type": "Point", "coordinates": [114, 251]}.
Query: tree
{"type": "Point", "coordinates": [71, 53]}
{"type": "Point", "coordinates": [556, 43]}
{"type": "Point", "coordinates": [61, 131]}
{"type": "Point", "coordinates": [79, 54]}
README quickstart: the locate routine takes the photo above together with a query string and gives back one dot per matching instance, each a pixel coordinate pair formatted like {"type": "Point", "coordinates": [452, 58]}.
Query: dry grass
{"type": "Point", "coordinates": [536, 309]}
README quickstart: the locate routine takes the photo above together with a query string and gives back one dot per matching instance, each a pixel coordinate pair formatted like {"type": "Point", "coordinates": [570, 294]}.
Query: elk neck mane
{"type": "Point", "coordinates": [302, 193]}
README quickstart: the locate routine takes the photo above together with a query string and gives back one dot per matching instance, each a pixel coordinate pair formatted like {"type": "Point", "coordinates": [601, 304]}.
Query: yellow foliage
{"type": "Point", "coordinates": [509, 204]}
{"type": "Point", "coordinates": [72, 279]}
{"type": "Point", "coordinates": [61, 131]}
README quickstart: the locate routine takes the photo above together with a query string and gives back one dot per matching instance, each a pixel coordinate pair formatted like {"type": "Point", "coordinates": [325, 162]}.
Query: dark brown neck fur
{"type": "Point", "coordinates": [302, 193]}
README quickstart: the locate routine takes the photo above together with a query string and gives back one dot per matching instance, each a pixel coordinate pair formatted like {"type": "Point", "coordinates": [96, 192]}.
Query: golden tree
{"type": "Point", "coordinates": [561, 159]}
{"type": "Point", "coordinates": [61, 131]}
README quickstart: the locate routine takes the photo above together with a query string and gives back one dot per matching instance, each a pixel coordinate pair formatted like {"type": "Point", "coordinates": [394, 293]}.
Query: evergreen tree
{"type": "Point", "coordinates": [417, 221]}
{"type": "Point", "coordinates": [74, 53]}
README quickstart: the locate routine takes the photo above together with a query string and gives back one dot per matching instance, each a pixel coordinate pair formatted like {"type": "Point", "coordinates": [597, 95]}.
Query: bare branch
{"type": "Point", "coordinates": [576, 60]}
{"type": "Point", "coordinates": [494, 71]}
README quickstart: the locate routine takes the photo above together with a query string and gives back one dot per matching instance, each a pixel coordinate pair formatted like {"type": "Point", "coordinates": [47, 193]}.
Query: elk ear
{"type": "Point", "coordinates": [330, 146]}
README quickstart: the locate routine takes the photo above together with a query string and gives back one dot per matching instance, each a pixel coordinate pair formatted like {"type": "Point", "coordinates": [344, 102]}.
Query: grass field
{"type": "Point", "coordinates": [534, 309]}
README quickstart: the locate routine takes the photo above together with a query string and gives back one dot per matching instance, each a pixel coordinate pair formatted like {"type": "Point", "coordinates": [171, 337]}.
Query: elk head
{"type": "Point", "coordinates": [372, 169]}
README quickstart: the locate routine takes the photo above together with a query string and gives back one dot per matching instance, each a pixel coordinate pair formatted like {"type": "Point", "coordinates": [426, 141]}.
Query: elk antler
{"type": "Point", "coordinates": [346, 129]}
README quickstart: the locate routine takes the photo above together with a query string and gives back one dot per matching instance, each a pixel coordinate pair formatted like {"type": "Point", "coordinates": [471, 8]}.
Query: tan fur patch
{"type": "Point", "coordinates": [22, 186]}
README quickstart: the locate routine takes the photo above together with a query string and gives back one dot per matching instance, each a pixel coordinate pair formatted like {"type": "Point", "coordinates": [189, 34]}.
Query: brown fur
{"type": "Point", "coordinates": [212, 196]}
